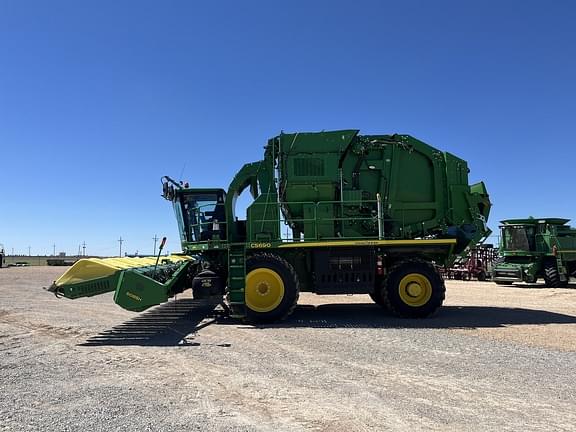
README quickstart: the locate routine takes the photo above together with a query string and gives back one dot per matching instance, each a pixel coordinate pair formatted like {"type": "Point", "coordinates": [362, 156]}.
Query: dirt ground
{"type": "Point", "coordinates": [494, 358]}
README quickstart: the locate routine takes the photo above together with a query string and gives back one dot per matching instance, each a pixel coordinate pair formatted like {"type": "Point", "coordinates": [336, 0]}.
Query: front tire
{"type": "Point", "coordinates": [413, 289]}
{"type": "Point", "coordinates": [376, 296]}
{"type": "Point", "coordinates": [552, 277]}
{"type": "Point", "coordinates": [272, 288]}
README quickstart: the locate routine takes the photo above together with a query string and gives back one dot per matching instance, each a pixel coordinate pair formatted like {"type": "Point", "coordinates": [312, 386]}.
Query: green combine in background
{"type": "Point", "coordinates": [536, 248]}
{"type": "Point", "coordinates": [332, 213]}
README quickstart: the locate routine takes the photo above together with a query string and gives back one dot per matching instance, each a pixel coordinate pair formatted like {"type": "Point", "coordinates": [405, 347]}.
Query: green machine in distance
{"type": "Point", "coordinates": [332, 213]}
{"type": "Point", "coordinates": [536, 248]}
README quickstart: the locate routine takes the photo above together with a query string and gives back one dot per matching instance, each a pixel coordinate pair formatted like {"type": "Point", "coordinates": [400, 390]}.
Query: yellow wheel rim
{"type": "Point", "coordinates": [264, 290]}
{"type": "Point", "coordinates": [415, 289]}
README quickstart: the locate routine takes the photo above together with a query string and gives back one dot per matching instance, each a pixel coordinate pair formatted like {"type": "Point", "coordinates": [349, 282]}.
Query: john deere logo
{"type": "Point", "coordinates": [133, 296]}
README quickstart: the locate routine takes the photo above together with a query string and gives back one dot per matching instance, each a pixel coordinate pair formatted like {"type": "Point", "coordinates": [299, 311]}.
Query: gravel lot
{"type": "Point", "coordinates": [495, 358]}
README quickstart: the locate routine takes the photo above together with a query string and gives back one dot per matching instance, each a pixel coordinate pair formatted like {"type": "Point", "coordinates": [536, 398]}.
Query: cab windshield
{"type": "Point", "coordinates": [204, 215]}
{"type": "Point", "coordinates": [518, 238]}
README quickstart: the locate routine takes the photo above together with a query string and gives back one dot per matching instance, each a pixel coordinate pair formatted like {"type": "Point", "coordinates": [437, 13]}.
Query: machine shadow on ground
{"type": "Point", "coordinates": [171, 323]}
{"type": "Point", "coordinates": [448, 317]}
{"type": "Point", "coordinates": [165, 325]}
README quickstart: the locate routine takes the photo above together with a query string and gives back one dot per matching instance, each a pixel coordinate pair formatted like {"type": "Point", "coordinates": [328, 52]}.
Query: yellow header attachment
{"type": "Point", "coordinates": [94, 268]}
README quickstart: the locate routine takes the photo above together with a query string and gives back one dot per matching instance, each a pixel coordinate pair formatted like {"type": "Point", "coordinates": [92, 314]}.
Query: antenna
{"type": "Point", "coordinates": [182, 172]}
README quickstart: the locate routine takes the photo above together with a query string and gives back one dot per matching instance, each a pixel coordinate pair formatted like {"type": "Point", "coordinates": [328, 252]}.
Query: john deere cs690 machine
{"type": "Point", "coordinates": [333, 213]}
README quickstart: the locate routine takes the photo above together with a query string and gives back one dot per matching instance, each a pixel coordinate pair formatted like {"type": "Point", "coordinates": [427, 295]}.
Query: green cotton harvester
{"type": "Point", "coordinates": [332, 213]}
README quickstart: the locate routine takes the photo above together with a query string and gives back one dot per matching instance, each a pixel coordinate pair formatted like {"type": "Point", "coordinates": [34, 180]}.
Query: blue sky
{"type": "Point", "coordinates": [98, 100]}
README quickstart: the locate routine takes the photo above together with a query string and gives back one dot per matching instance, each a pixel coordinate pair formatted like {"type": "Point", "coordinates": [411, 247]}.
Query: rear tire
{"type": "Point", "coordinates": [272, 288]}
{"type": "Point", "coordinates": [552, 277]}
{"type": "Point", "coordinates": [413, 289]}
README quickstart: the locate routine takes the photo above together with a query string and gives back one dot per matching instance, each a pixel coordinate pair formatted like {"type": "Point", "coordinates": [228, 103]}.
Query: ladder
{"type": "Point", "coordinates": [237, 279]}
{"type": "Point", "coordinates": [561, 269]}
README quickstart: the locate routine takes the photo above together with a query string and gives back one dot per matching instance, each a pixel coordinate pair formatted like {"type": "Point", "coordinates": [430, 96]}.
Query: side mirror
{"type": "Point", "coordinates": [165, 190]}
{"type": "Point", "coordinates": [168, 191]}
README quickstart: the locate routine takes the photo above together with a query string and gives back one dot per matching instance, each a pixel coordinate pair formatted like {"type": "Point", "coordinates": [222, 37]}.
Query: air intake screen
{"type": "Point", "coordinates": [308, 167]}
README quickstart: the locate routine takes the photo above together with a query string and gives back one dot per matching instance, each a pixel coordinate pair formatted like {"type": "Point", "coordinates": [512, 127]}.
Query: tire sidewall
{"type": "Point", "coordinates": [392, 284]}
{"type": "Point", "coordinates": [287, 274]}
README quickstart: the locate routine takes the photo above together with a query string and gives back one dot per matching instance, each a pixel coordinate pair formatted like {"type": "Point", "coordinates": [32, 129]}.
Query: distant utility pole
{"type": "Point", "coordinates": [120, 241]}
{"type": "Point", "coordinates": [155, 238]}
{"type": "Point", "coordinates": [79, 250]}
{"type": "Point", "coordinates": [54, 249]}
{"type": "Point", "coordinates": [28, 250]}
{"type": "Point", "coordinates": [83, 248]}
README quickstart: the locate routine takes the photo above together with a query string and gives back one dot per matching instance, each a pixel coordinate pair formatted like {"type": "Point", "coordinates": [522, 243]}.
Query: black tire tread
{"type": "Point", "coordinates": [552, 276]}
{"type": "Point", "coordinates": [389, 304]}
{"type": "Point", "coordinates": [270, 257]}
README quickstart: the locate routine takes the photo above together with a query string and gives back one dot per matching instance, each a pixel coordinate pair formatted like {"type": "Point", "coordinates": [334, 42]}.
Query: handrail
{"type": "Point", "coordinates": [316, 219]}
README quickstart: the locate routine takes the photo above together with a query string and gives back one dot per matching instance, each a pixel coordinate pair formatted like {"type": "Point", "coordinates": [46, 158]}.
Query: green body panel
{"type": "Point", "coordinates": [90, 288]}
{"type": "Point", "coordinates": [137, 290]}
{"type": "Point", "coordinates": [528, 245]}
{"type": "Point", "coordinates": [263, 217]}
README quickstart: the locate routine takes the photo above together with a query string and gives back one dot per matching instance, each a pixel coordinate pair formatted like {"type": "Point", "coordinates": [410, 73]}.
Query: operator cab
{"type": "Point", "coordinates": [518, 237]}
{"type": "Point", "coordinates": [201, 214]}
{"type": "Point", "coordinates": [528, 235]}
